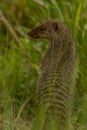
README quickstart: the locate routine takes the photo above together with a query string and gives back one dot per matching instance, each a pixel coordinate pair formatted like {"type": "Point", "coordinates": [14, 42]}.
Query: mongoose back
{"type": "Point", "coordinates": [55, 82]}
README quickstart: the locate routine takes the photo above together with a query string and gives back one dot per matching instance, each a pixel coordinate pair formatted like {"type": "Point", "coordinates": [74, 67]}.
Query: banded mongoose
{"type": "Point", "coordinates": [55, 82]}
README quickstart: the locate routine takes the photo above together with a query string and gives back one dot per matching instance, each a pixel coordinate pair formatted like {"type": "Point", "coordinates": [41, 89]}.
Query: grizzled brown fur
{"type": "Point", "coordinates": [55, 82]}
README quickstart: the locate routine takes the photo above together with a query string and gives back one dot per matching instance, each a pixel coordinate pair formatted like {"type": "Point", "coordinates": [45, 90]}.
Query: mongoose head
{"type": "Point", "coordinates": [49, 29]}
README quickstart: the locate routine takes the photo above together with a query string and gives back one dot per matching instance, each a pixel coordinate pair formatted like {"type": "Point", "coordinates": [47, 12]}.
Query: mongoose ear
{"type": "Point", "coordinates": [55, 25]}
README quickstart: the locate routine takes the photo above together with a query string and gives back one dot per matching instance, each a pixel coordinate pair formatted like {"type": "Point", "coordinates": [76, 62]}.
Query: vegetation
{"type": "Point", "coordinates": [20, 58]}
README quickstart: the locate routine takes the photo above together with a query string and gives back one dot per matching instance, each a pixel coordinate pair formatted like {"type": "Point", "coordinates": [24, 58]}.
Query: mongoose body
{"type": "Point", "coordinates": [55, 82]}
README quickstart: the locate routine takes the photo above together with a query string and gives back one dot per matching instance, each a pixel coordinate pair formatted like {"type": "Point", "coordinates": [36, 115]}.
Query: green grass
{"type": "Point", "coordinates": [19, 73]}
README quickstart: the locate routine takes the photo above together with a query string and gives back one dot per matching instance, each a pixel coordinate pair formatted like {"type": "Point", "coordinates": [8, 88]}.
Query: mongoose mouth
{"type": "Point", "coordinates": [34, 35]}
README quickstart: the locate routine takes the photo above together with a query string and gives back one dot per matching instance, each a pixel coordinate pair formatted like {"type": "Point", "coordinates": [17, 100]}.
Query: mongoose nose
{"type": "Point", "coordinates": [34, 34]}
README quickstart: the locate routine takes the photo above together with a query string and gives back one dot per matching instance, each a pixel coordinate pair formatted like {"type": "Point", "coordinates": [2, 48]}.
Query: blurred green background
{"type": "Point", "coordinates": [20, 61]}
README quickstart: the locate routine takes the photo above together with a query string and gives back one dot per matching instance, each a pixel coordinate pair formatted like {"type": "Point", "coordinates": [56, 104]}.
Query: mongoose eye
{"type": "Point", "coordinates": [42, 29]}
